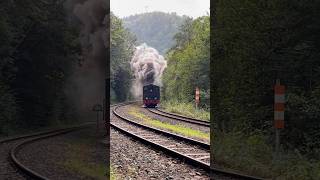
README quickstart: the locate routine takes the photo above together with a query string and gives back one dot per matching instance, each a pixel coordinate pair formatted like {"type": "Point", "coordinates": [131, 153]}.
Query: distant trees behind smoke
{"type": "Point", "coordinates": [157, 29]}
{"type": "Point", "coordinates": [37, 51]}
{"type": "Point", "coordinates": [186, 45]}
{"type": "Point", "coordinates": [121, 52]}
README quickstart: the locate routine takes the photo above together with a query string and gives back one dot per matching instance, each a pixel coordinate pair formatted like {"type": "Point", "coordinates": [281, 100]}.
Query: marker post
{"type": "Point", "coordinates": [197, 98]}
{"type": "Point", "coordinates": [279, 103]}
{"type": "Point", "coordinates": [97, 108]}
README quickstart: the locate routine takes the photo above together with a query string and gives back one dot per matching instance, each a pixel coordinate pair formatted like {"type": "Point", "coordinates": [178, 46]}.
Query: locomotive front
{"type": "Point", "coordinates": [151, 95]}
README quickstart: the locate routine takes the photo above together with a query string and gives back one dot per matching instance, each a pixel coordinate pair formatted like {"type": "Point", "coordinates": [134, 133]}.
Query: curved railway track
{"type": "Point", "coordinates": [194, 152]}
{"type": "Point", "coordinates": [11, 167]}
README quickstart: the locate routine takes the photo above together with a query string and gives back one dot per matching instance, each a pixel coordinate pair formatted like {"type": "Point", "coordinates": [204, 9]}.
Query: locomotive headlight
{"type": "Point", "coordinates": [155, 98]}
{"type": "Point", "coordinates": [147, 98]}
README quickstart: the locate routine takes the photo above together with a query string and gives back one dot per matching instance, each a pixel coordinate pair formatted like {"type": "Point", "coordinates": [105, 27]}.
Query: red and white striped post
{"type": "Point", "coordinates": [279, 102]}
{"type": "Point", "coordinates": [197, 98]}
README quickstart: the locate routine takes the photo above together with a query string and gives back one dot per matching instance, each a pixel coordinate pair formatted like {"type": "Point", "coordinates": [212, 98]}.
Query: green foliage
{"type": "Point", "coordinates": [251, 53]}
{"type": "Point", "coordinates": [255, 43]}
{"type": "Point", "coordinates": [37, 52]}
{"type": "Point", "coordinates": [122, 47]}
{"type": "Point", "coordinates": [8, 109]}
{"type": "Point", "coordinates": [189, 63]}
{"type": "Point", "coordinates": [157, 29]}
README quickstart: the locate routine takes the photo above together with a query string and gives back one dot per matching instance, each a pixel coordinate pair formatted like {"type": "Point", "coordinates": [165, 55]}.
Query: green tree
{"type": "Point", "coordinates": [189, 62]}
{"type": "Point", "coordinates": [121, 51]}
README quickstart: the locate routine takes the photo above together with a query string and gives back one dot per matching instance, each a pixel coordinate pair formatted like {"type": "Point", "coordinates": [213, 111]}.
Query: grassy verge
{"type": "Point", "coordinates": [179, 129]}
{"type": "Point", "coordinates": [78, 161]}
{"type": "Point", "coordinates": [186, 109]}
{"type": "Point", "coordinates": [112, 174]}
{"type": "Point", "coordinates": [254, 156]}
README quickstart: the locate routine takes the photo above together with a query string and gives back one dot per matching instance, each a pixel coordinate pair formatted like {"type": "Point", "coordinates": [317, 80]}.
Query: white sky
{"type": "Point", "coordinates": [193, 8]}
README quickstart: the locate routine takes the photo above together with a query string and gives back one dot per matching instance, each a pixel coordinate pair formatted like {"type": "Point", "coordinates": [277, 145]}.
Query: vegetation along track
{"type": "Point", "coordinates": [179, 117]}
{"type": "Point", "coordinates": [11, 167]}
{"type": "Point", "coordinates": [195, 152]}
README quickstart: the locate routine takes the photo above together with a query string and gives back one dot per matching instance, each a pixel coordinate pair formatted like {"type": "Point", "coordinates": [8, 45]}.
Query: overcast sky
{"type": "Point", "coordinates": [193, 8]}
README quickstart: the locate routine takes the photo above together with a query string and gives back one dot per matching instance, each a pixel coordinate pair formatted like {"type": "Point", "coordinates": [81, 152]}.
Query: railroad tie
{"type": "Point", "coordinates": [147, 136]}
{"type": "Point", "coordinates": [197, 154]}
{"type": "Point", "coordinates": [204, 157]}
{"type": "Point", "coordinates": [159, 140]}
{"type": "Point", "coordinates": [181, 148]}
{"type": "Point", "coordinates": [171, 146]}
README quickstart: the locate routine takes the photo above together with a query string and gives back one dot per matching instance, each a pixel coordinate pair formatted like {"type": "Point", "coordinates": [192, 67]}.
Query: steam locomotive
{"type": "Point", "coordinates": [151, 95]}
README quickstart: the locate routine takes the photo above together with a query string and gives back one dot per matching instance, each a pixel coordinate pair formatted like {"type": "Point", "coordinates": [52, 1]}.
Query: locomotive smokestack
{"type": "Point", "coordinates": [148, 66]}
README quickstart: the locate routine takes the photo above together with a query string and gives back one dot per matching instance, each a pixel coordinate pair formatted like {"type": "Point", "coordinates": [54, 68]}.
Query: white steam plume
{"type": "Point", "coordinates": [148, 66]}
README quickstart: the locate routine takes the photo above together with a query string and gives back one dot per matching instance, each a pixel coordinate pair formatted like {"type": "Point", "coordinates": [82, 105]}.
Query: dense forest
{"type": "Point", "coordinates": [189, 63]}
{"type": "Point", "coordinates": [51, 68]}
{"type": "Point", "coordinates": [155, 28]}
{"type": "Point", "coordinates": [255, 43]}
{"type": "Point", "coordinates": [121, 52]}
{"type": "Point", "coordinates": [37, 51]}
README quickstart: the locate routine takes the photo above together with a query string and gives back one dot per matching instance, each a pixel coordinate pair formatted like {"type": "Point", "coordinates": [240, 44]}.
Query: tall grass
{"type": "Point", "coordinates": [79, 162]}
{"type": "Point", "coordinates": [254, 156]}
{"type": "Point", "coordinates": [112, 174]}
{"type": "Point", "coordinates": [186, 109]}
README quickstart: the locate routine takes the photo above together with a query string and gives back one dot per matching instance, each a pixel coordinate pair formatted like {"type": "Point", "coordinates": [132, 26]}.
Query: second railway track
{"type": "Point", "coordinates": [10, 165]}
{"type": "Point", "coordinates": [179, 117]}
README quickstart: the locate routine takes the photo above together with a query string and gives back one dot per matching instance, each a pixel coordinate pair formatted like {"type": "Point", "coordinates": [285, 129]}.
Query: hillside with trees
{"type": "Point", "coordinates": [157, 29]}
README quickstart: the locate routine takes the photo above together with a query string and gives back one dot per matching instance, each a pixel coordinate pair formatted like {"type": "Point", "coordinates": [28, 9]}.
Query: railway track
{"type": "Point", "coordinates": [194, 152]}
{"type": "Point", "coordinates": [179, 117]}
{"type": "Point", "coordinates": [10, 165]}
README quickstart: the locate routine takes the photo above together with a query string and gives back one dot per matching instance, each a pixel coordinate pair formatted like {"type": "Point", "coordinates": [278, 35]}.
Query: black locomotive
{"type": "Point", "coordinates": [151, 95]}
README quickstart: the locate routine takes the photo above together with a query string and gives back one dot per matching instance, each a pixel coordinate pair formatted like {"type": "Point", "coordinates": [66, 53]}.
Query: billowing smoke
{"type": "Point", "coordinates": [148, 66]}
{"type": "Point", "coordinates": [86, 85]}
